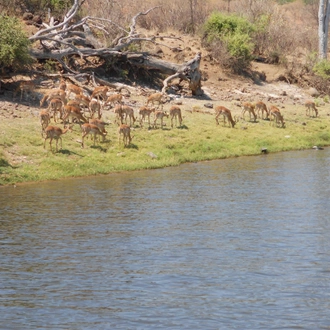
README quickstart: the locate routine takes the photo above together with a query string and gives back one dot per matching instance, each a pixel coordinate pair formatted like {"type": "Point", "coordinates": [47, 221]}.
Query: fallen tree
{"type": "Point", "coordinates": [76, 38]}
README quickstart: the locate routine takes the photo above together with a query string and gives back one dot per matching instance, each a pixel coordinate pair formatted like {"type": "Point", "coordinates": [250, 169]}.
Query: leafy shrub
{"type": "Point", "coordinates": [14, 45]}
{"type": "Point", "coordinates": [229, 38]}
{"type": "Point", "coordinates": [322, 69]}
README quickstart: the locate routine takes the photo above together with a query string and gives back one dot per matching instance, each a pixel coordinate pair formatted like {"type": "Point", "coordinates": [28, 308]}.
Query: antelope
{"type": "Point", "coordinates": [55, 105]}
{"type": "Point", "coordinates": [44, 120]}
{"type": "Point", "coordinates": [73, 112]}
{"type": "Point", "coordinates": [119, 113]}
{"type": "Point", "coordinates": [54, 132]}
{"type": "Point", "coordinates": [88, 128]}
{"type": "Point", "coordinates": [95, 106]}
{"type": "Point", "coordinates": [62, 84]}
{"type": "Point", "coordinates": [310, 107]}
{"type": "Point", "coordinates": [28, 86]}
{"type": "Point", "coordinates": [71, 88]}
{"type": "Point", "coordinates": [129, 112]}
{"type": "Point", "coordinates": [145, 112]}
{"type": "Point", "coordinates": [175, 112]}
{"type": "Point", "coordinates": [160, 115]}
{"type": "Point", "coordinates": [83, 100]}
{"type": "Point", "coordinates": [155, 97]}
{"type": "Point", "coordinates": [261, 107]}
{"type": "Point", "coordinates": [99, 123]}
{"type": "Point", "coordinates": [126, 131]}
{"type": "Point", "coordinates": [247, 106]}
{"type": "Point", "coordinates": [277, 116]}
{"type": "Point", "coordinates": [100, 91]}
{"type": "Point", "coordinates": [59, 93]}
{"type": "Point", "coordinates": [113, 99]}
{"type": "Point", "coordinates": [226, 113]}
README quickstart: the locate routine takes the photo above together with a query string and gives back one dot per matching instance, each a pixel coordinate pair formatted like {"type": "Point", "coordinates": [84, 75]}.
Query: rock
{"type": "Point", "coordinates": [208, 105]}
{"type": "Point", "coordinates": [313, 92]}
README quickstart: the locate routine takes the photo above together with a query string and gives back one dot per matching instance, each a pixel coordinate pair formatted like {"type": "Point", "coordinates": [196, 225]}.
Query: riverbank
{"type": "Point", "coordinates": [24, 159]}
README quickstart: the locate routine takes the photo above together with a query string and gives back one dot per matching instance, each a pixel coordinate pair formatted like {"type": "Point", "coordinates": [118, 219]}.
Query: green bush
{"type": "Point", "coordinates": [322, 69]}
{"type": "Point", "coordinates": [229, 38]}
{"type": "Point", "coordinates": [14, 45]}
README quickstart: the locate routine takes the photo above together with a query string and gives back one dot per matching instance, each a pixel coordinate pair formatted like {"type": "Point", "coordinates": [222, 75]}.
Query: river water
{"type": "Point", "coordinates": [240, 243]}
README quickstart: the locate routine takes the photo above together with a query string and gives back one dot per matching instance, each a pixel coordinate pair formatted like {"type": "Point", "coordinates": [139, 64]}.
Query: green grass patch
{"type": "Point", "coordinates": [24, 159]}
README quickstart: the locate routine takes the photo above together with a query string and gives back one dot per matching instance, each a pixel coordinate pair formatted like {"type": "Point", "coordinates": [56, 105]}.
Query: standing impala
{"type": "Point", "coordinates": [175, 112]}
{"type": "Point", "coordinates": [55, 133]}
{"type": "Point", "coordinates": [126, 131]}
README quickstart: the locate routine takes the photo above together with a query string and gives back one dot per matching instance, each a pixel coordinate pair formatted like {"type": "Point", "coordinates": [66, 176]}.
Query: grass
{"type": "Point", "coordinates": [24, 159]}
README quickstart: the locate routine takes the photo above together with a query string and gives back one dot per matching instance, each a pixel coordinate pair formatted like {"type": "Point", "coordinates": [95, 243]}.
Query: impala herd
{"type": "Point", "coordinates": [70, 105]}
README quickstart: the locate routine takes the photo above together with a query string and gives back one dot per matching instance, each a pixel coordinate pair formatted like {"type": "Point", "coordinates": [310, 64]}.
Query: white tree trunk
{"type": "Point", "coordinates": [324, 14]}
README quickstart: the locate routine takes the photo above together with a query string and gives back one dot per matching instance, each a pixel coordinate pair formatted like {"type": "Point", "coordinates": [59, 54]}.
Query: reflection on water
{"type": "Point", "coordinates": [231, 244]}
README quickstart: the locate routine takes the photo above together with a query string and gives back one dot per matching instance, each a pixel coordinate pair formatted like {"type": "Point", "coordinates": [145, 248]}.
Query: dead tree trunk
{"type": "Point", "coordinates": [71, 38]}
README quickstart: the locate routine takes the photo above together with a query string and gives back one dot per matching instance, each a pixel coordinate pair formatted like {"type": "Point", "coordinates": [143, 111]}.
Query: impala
{"type": "Point", "coordinates": [99, 123]}
{"type": "Point", "coordinates": [73, 89]}
{"type": "Point", "coordinates": [100, 91]}
{"type": "Point", "coordinates": [54, 132]}
{"type": "Point", "coordinates": [155, 97]}
{"type": "Point", "coordinates": [55, 105]}
{"type": "Point", "coordinates": [92, 129]}
{"type": "Point", "coordinates": [55, 93]}
{"type": "Point", "coordinates": [226, 113]}
{"type": "Point", "coordinates": [95, 107]}
{"type": "Point", "coordinates": [247, 106]}
{"type": "Point", "coordinates": [175, 112]}
{"type": "Point", "coordinates": [160, 115]}
{"type": "Point", "coordinates": [310, 107]}
{"type": "Point", "coordinates": [119, 114]}
{"type": "Point", "coordinates": [26, 87]}
{"type": "Point", "coordinates": [274, 113]}
{"type": "Point", "coordinates": [73, 112]}
{"type": "Point", "coordinates": [144, 113]}
{"type": "Point", "coordinates": [129, 112]}
{"type": "Point", "coordinates": [113, 99]}
{"type": "Point", "coordinates": [126, 131]}
{"type": "Point", "coordinates": [44, 120]}
{"type": "Point", "coordinates": [261, 107]}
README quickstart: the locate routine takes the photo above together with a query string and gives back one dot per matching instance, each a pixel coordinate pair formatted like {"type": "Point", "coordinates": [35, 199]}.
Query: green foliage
{"type": "Point", "coordinates": [282, 2]}
{"type": "Point", "coordinates": [14, 45]}
{"type": "Point", "coordinates": [232, 33]}
{"type": "Point", "coordinates": [322, 69]}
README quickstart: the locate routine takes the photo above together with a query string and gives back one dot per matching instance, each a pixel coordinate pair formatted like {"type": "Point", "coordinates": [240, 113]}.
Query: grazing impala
{"type": "Point", "coordinates": [44, 120]}
{"type": "Point", "coordinates": [275, 114]}
{"type": "Point", "coordinates": [59, 93]}
{"type": "Point", "coordinates": [156, 97]}
{"type": "Point", "coordinates": [73, 89]}
{"type": "Point", "coordinates": [100, 91]}
{"type": "Point", "coordinates": [226, 113]}
{"type": "Point", "coordinates": [113, 99]}
{"type": "Point", "coordinates": [126, 131]}
{"type": "Point", "coordinates": [73, 112]}
{"type": "Point", "coordinates": [310, 107]}
{"type": "Point", "coordinates": [54, 132]}
{"type": "Point", "coordinates": [247, 106]}
{"type": "Point", "coordinates": [144, 113]}
{"type": "Point", "coordinates": [26, 87]}
{"type": "Point", "coordinates": [99, 123]}
{"type": "Point", "coordinates": [261, 107]}
{"type": "Point", "coordinates": [175, 112]}
{"type": "Point", "coordinates": [92, 129]}
{"type": "Point", "coordinates": [160, 115]}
